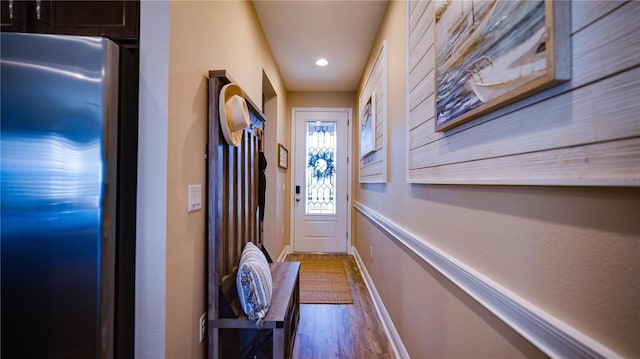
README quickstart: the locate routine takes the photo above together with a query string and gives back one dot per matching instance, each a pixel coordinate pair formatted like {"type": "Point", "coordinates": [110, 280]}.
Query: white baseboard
{"type": "Point", "coordinates": [390, 330]}
{"type": "Point", "coordinates": [550, 334]}
{"type": "Point", "coordinates": [286, 250]}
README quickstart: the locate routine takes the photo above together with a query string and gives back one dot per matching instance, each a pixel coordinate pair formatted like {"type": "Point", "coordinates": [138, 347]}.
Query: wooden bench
{"type": "Point", "coordinates": [276, 337]}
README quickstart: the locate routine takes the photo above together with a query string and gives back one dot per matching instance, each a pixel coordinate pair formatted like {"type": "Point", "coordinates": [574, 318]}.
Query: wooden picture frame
{"type": "Point", "coordinates": [283, 157]}
{"type": "Point", "coordinates": [373, 166]}
{"type": "Point", "coordinates": [490, 54]}
{"type": "Point", "coordinates": [368, 126]}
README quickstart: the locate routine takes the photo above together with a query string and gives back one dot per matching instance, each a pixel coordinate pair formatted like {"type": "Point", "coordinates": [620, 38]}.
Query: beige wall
{"type": "Point", "coordinates": [572, 252]}
{"type": "Point", "coordinates": [321, 99]}
{"type": "Point", "coordinates": [275, 225]}
{"type": "Point", "coordinates": [204, 35]}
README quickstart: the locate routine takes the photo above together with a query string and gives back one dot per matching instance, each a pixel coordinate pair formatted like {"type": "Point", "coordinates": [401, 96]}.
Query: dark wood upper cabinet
{"type": "Point", "coordinates": [116, 20]}
{"type": "Point", "coordinates": [13, 16]}
{"type": "Point", "coordinates": [113, 19]}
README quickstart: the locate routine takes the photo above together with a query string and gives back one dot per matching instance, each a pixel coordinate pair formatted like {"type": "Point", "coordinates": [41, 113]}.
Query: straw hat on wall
{"type": "Point", "coordinates": [234, 113]}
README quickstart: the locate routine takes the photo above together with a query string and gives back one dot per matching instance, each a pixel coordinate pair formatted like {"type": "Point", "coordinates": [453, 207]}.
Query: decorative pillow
{"type": "Point", "coordinates": [254, 283]}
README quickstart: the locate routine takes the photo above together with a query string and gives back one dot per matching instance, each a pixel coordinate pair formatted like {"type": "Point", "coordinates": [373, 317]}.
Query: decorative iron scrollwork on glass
{"type": "Point", "coordinates": [321, 169]}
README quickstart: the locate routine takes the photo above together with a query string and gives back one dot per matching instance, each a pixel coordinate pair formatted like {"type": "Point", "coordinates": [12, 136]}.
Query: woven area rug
{"type": "Point", "coordinates": [324, 281]}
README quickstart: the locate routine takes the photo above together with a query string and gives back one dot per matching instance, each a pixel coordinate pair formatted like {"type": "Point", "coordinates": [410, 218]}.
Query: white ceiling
{"type": "Point", "coordinates": [299, 32]}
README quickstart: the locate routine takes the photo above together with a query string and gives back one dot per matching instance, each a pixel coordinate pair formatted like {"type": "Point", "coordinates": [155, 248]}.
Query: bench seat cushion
{"type": "Point", "coordinates": [254, 283]}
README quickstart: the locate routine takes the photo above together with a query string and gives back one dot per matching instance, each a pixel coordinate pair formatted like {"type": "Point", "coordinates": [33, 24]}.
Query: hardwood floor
{"type": "Point", "coordinates": [340, 331]}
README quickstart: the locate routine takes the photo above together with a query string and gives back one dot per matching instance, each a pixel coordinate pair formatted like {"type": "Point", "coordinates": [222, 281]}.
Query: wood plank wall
{"type": "Point", "coordinates": [583, 132]}
{"type": "Point", "coordinates": [373, 167]}
{"type": "Point", "coordinates": [237, 185]}
{"type": "Point", "coordinates": [232, 195]}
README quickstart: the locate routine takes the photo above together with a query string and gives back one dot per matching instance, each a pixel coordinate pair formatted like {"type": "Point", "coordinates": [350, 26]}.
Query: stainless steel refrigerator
{"type": "Point", "coordinates": [58, 174]}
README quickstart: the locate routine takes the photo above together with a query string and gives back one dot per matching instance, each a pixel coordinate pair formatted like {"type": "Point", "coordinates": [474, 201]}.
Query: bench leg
{"type": "Point", "coordinates": [278, 343]}
{"type": "Point", "coordinates": [214, 353]}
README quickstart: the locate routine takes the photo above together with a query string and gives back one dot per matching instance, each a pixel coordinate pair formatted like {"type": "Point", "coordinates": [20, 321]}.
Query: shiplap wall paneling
{"type": "Point", "coordinates": [373, 167]}
{"type": "Point", "coordinates": [421, 73]}
{"type": "Point", "coordinates": [583, 132]}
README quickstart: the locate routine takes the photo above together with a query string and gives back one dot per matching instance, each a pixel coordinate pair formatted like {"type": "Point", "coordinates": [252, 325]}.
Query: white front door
{"type": "Point", "coordinates": [320, 180]}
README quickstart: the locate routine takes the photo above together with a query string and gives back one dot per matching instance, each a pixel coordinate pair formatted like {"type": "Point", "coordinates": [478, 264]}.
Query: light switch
{"type": "Point", "coordinates": [195, 197]}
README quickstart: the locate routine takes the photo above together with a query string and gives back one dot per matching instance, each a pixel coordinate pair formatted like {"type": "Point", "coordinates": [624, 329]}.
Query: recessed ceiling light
{"type": "Point", "coordinates": [322, 62]}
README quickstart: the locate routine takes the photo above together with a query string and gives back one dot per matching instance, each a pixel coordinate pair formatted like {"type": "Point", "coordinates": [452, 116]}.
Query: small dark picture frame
{"type": "Point", "coordinates": [283, 157]}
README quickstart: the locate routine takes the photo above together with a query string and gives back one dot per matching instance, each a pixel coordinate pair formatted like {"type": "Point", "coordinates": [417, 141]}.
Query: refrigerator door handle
{"type": "Point", "coordinates": [10, 9]}
{"type": "Point", "coordinates": [38, 8]}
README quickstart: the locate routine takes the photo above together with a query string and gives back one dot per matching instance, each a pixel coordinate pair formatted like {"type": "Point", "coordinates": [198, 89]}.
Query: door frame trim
{"type": "Point", "coordinates": [292, 167]}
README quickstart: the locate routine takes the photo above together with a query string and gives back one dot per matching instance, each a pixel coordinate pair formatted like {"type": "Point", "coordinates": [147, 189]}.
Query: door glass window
{"type": "Point", "coordinates": [321, 170]}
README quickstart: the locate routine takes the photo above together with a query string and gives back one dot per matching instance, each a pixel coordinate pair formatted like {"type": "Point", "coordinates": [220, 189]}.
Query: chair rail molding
{"type": "Point", "coordinates": [550, 334]}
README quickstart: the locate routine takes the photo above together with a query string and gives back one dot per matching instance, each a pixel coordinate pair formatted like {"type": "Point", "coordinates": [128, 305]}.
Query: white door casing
{"type": "Point", "coordinates": [320, 215]}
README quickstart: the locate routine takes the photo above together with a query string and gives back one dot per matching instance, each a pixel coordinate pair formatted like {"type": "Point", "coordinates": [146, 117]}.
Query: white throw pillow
{"type": "Point", "coordinates": [254, 283]}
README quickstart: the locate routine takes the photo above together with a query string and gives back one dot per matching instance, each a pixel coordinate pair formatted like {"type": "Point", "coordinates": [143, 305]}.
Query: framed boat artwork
{"type": "Point", "coordinates": [492, 53]}
{"type": "Point", "coordinates": [368, 126]}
